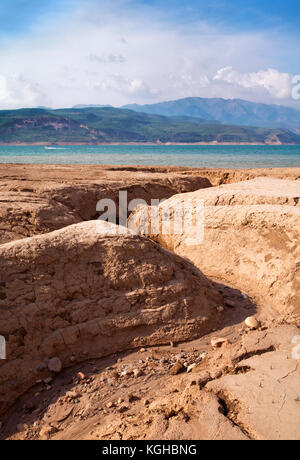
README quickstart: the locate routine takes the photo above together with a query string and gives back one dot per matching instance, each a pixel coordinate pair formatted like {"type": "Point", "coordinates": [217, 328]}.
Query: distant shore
{"type": "Point", "coordinates": [65, 144]}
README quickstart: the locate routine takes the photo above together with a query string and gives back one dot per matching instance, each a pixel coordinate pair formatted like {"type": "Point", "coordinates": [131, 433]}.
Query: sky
{"type": "Point", "coordinates": [59, 53]}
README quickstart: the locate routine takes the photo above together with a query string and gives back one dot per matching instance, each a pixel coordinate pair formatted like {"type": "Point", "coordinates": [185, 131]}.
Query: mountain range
{"type": "Point", "coordinates": [230, 111]}
{"type": "Point", "coordinates": [96, 125]}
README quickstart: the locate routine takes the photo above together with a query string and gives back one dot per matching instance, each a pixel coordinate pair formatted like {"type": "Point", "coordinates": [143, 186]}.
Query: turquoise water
{"type": "Point", "coordinates": [192, 155]}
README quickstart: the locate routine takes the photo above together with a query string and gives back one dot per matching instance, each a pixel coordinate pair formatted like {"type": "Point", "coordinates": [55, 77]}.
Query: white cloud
{"type": "Point", "coordinates": [17, 91]}
{"type": "Point", "coordinates": [278, 85]}
{"type": "Point", "coordinates": [118, 56]}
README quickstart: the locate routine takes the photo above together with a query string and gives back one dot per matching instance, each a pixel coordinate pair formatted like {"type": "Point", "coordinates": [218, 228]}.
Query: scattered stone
{"type": "Point", "coordinates": [48, 380]}
{"type": "Point", "coordinates": [81, 375]}
{"type": "Point", "coordinates": [163, 361]}
{"type": "Point", "coordinates": [191, 367]}
{"type": "Point", "coordinates": [55, 365]}
{"type": "Point", "coordinates": [230, 303]}
{"type": "Point", "coordinates": [219, 342]}
{"type": "Point", "coordinates": [46, 431]}
{"type": "Point", "coordinates": [252, 322]}
{"type": "Point", "coordinates": [122, 409]}
{"type": "Point", "coordinates": [220, 309]}
{"type": "Point", "coordinates": [109, 405]}
{"type": "Point", "coordinates": [137, 373]}
{"type": "Point", "coordinates": [142, 350]}
{"type": "Point", "coordinates": [177, 368]}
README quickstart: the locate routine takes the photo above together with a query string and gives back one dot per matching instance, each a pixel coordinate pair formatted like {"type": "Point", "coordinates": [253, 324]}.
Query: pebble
{"type": "Point", "coordinates": [177, 368]}
{"type": "Point", "coordinates": [252, 322]}
{"type": "Point", "coordinates": [55, 365]}
{"type": "Point", "coordinates": [220, 309]}
{"type": "Point", "coordinates": [191, 367]}
{"type": "Point", "coordinates": [230, 303]}
{"type": "Point", "coordinates": [81, 375]}
{"type": "Point", "coordinates": [219, 342]}
{"type": "Point", "coordinates": [137, 373]}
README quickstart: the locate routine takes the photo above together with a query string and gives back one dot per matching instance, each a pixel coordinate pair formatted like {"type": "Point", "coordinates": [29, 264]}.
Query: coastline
{"type": "Point", "coordinates": [65, 144]}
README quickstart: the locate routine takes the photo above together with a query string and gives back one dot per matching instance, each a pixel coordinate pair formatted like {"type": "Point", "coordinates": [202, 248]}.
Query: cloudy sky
{"type": "Point", "coordinates": [60, 53]}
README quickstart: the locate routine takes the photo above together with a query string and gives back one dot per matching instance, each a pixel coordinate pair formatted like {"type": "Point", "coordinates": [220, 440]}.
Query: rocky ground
{"type": "Point", "coordinates": [114, 337]}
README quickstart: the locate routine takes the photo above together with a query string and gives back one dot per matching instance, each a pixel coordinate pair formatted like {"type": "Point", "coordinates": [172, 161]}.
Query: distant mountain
{"type": "Point", "coordinates": [231, 111]}
{"type": "Point", "coordinates": [104, 125]}
{"type": "Point", "coordinates": [83, 106]}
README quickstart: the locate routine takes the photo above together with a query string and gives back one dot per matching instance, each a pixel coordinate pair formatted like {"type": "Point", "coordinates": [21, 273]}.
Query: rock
{"type": "Point", "coordinates": [109, 405]}
{"type": "Point", "coordinates": [252, 322]}
{"type": "Point", "coordinates": [220, 309]}
{"type": "Point", "coordinates": [137, 373]}
{"type": "Point", "coordinates": [47, 431]}
{"type": "Point", "coordinates": [249, 227]}
{"type": "Point", "coordinates": [101, 288]}
{"type": "Point", "coordinates": [219, 342]}
{"type": "Point", "coordinates": [191, 367]}
{"type": "Point", "coordinates": [55, 365]}
{"type": "Point", "coordinates": [47, 380]}
{"type": "Point", "coordinates": [177, 368]}
{"type": "Point", "coordinates": [81, 375]}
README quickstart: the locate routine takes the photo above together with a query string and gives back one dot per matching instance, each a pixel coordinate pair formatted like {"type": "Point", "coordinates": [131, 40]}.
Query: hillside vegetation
{"type": "Point", "coordinates": [95, 125]}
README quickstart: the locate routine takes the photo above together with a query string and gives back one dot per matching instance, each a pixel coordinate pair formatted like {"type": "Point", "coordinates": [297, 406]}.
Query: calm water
{"type": "Point", "coordinates": [196, 156]}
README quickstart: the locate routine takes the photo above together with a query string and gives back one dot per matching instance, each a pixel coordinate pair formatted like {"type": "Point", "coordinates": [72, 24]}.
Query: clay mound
{"type": "Point", "coordinates": [85, 292]}
{"type": "Point", "coordinates": [46, 198]}
{"type": "Point", "coordinates": [253, 247]}
{"type": "Point", "coordinates": [261, 190]}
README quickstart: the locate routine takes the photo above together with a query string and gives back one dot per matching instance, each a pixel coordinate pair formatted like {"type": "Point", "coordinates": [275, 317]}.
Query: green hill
{"type": "Point", "coordinates": [95, 125]}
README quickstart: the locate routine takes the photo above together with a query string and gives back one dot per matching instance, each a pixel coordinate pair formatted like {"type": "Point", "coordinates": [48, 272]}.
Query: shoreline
{"type": "Point", "coordinates": [142, 144]}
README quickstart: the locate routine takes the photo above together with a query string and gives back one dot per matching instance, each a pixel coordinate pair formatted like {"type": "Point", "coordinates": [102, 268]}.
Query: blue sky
{"type": "Point", "coordinates": [63, 52]}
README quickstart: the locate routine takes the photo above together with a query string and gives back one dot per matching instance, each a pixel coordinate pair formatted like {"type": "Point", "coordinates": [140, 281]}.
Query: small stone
{"type": "Point", "coordinates": [252, 322]}
{"type": "Point", "coordinates": [177, 368]}
{"type": "Point", "coordinates": [163, 361]}
{"type": "Point", "coordinates": [142, 350]}
{"type": "Point", "coordinates": [120, 401]}
{"type": "Point", "coordinates": [55, 365]}
{"type": "Point", "coordinates": [81, 375]}
{"type": "Point", "coordinates": [203, 355]}
{"type": "Point", "coordinates": [122, 409]}
{"type": "Point", "coordinates": [47, 431]}
{"type": "Point", "coordinates": [191, 367]}
{"type": "Point", "coordinates": [72, 359]}
{"type": "Point", "coordinates": [220, 309]}
{"type": "Point", "coordinates": [219, 342]}
{"type": "Point", "coordinates": [137, 373]}
{"type": "Point", "coordinates": [230, 303]}
{"type": "Point", "coordinates": [109, 405]}
{"type": "Point", "coordinates": [114, 374]}
{"type": "Point", "coordinates": [48, 380]}
{"type": "Point", "coordinates": [146, 402]}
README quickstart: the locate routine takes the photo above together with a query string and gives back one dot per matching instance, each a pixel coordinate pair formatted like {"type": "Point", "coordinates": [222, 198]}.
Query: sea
{"type": "Point", "coordinates": [200, 156]}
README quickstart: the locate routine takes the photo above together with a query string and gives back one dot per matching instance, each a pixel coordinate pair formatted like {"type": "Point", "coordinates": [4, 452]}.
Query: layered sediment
{"type": "Point", "coordinates": [92, 314]}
